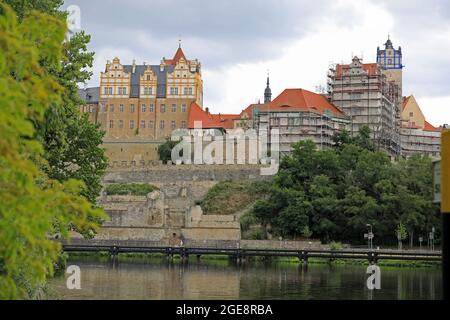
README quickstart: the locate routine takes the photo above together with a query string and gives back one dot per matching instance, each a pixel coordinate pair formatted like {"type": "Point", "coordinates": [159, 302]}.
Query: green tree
{"type": "Point", "coordinates": [337, 192]}
{"type": "Point", "coordinates": [364, 139]}
{"type": "Point", "coordinates": [32, 206]}
{"type": "Point", "coordinates": [165, 150]}
{"type": "Point", "coordinates": [341, 138]}
{"type": "Point", "coordinates": [401, 234]}
{"type": "Point", "coordinates": [72, 143]}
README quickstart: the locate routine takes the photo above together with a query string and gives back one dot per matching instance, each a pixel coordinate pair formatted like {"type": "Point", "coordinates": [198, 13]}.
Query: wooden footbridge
{"type": "Point", "coordinates": [235, 252]}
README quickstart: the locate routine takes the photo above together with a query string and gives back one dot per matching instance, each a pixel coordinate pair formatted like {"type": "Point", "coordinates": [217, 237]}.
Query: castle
{"type": "Point", "coordinates": [139, 106]}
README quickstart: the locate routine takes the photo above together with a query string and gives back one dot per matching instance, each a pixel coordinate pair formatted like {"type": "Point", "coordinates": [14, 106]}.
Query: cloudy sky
{"type": "Point", "coordinates": [237, 41]}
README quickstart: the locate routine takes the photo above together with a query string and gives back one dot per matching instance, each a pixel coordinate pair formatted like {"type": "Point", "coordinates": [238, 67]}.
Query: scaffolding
{"type": "Point", "coordinates": [369, 99]}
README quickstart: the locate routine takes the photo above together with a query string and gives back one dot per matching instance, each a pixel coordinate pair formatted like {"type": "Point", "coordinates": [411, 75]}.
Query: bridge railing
{"type": "Point", "coordinates": [226, 244]}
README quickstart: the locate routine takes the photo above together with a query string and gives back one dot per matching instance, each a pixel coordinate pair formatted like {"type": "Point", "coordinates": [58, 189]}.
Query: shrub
{"type": "Point", "coordinates": [335, 246]}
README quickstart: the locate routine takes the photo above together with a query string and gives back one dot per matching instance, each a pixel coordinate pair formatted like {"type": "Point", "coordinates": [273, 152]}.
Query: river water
{"type": "Point", "coordinates": [221, 279]}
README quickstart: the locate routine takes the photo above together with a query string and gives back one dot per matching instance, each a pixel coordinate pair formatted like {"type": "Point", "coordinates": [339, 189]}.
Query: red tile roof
{"type": "Point", "coordinates": [178, 55]}
{"type": "Point", "coordinates": [210, 121]}
{"type": "Point", "coordinates": [298, 100]}
{"type": "Point", "coordinates": [429, 127]}
{"type": "Point", "coordinates": [370, 68]}
{"type": "Point", "coordinates": [405, 102]}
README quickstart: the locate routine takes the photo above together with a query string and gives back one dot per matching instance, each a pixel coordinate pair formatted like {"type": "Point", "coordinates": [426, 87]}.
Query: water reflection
{"type": "Point", "coordinates": [160, 279]}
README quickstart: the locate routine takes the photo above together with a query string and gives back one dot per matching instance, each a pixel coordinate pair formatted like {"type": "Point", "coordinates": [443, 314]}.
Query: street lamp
{"type": "Point", "coordinates": [432, 238]}
{"type": "Point", "coordinates": [369, 236]}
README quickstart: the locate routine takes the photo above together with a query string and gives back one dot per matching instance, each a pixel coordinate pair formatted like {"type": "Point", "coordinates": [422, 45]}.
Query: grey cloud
{"type": "Point", "coordinates": [223, 31]}
{"type": "Point", "coordinates": [417, 25]}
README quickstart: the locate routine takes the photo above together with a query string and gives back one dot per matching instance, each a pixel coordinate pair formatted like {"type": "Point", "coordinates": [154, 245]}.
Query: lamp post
{"type": "Point", "coordinates": [369, 236]}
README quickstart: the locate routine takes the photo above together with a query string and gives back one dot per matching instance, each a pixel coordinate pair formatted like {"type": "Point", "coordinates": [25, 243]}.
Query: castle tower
{"type": "Point", "coordinates": [268, 92]}
{"type": "Point", "coordinates": [390, 59]}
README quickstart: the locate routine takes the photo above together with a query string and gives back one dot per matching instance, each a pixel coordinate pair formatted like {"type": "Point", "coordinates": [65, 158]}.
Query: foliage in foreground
{"type": "Point", "coordinates": [32, 206]}
{"type": "Point", "coordinates": [72, 143]}
{"type": "Point", "coordinates": [134, 189]}
{"type": "Point", "coordinates": [336, 193]}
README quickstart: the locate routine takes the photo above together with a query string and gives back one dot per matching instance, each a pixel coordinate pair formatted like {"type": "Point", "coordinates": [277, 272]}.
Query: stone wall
{"type": "Point", "coordinates": [172, 209]}
{"type": "Point", "coordinates": [163, 174]}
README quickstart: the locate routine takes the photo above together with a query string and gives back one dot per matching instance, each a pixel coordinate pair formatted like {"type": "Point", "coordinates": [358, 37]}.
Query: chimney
{"type": "Point", "coordinates": [134, 66]}
{"type": "Point", "coordinates": [207, 110]}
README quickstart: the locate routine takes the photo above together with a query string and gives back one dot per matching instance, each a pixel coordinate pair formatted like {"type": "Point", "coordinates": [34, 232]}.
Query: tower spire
{"type": "Point", "coordinates": [268, 91]}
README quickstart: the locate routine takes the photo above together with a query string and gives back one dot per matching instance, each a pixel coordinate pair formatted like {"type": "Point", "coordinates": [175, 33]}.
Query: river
{"type": "Point", "coordinates": [221, 279]}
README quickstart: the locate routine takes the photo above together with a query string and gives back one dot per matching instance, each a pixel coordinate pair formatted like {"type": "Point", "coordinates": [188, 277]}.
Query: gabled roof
{"type": "Point", "coordinates": [427, 126]}
{"type": "Point", "coordinates": [405, 102]}
{"type": "Point", "coordinates": [370, 68]}
{"type": "Point", "coordinates": [178, 55]}
{"type": "Point", "coordinates": [291, 100]}
{"type": "Point", "coordinates": [210, 121]}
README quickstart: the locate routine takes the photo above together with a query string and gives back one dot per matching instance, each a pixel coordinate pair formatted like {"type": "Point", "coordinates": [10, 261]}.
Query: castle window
{"type": "Point", "coordinates": [143, 108]}
{"type": "Point", "coordinates": [174, 90]}
{"type": "Point", "coordinates": [150, 124]}
{"type": "Point", "coordinates": [163, 108]}
{"type": "Point", "coordinates": [142, 124]}
{"type": "Point", "coordinates": [121, 108]}
{"type": "Point", "coordinates": [148, 77]}
{"type": "Point", "coordinates": [104, 107]}
{"type": "Point", "coordinates": [389, 61]}
{"type": "Point", "coordinates": [111, 124]}
{"type": "Point", "coordinates": [131, 124]}
{"type": "Point", "coordinates": [161, 124]}
{"type": "Point", "coordinates": [174, 108]}
{"type": "Point", "coordinates": [173, 124]}
{"type": "Point", "coordinates": [183, 124]}
{"type": "Point", "coordinates": [183, 108]}
{"type": "Point", "coordinates": [132, 108]}
{"type": "Point", "coordinates": [120, 90]}
{"type": "Point", "coordinates": [150, 108]}
{"type": "Point", "coordinates": [411, 114]}
{"type": "Point", "coordinates": [110, 90]}
{"type": "Point", "coordinates": [148, 91]}
{"type": "Point", "coordinates": [111, 108]}
{"type": "Point", "coordinates": [124, 90]}
{"type": "Point", "coordinates": [121, 124]}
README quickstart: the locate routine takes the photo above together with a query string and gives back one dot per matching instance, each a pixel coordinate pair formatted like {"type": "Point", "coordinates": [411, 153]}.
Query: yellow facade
{"type": "Point", "coordinates": [412, 116]}
{"type": "Point", "coordinates": [152, 105]}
